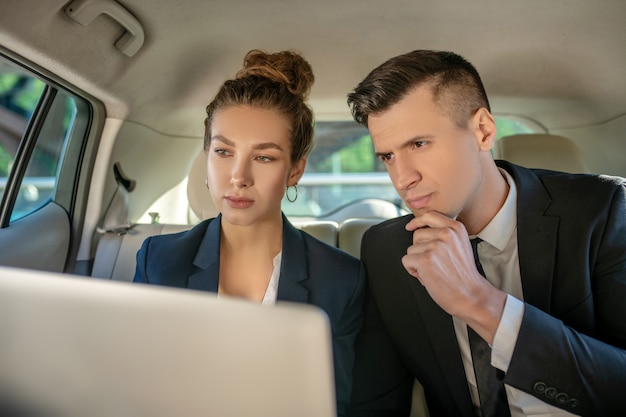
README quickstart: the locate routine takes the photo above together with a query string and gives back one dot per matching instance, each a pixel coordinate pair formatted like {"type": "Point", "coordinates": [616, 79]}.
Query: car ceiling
{"type": "Point", "coordinates": [559, 62]}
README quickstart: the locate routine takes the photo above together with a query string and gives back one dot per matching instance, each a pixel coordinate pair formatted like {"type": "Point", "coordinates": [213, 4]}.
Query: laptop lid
{"type": "Point", "coordinates": [73, 346]}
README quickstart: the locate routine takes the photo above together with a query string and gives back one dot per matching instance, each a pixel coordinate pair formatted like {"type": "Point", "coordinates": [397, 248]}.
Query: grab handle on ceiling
{"type": "Point", "coordinates": [85, 11]}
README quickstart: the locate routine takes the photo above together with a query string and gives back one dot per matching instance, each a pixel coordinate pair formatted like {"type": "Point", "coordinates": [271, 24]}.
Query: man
{"type": "Point", "coordinates": [552, 247]}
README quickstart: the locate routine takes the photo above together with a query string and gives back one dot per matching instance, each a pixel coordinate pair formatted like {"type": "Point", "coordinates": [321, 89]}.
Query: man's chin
{"type": "Point", "coordinates": [420, 211]}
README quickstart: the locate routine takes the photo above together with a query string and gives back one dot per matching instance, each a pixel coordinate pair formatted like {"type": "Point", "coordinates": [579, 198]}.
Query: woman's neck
{"type": "Point", "coordinates": [263, 237]}
{"type": "Point", "coordinates": [246, 258]}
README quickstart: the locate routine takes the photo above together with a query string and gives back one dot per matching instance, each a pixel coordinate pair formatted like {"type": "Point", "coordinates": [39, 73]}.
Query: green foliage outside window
{"type": "Point", "coordinates": [5, 161]}
{"type": "Point", "coordinates": [358, 156]}
{"type": "Point", "coordinates": [508, 126]}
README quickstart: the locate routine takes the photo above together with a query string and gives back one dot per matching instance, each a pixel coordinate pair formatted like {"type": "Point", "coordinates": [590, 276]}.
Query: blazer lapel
{"type": "Point", "coordinates": [293, 267]}
{"type": "Point", "coordinates": [208, 259]}
{"type": "Point", "coordinates": [536, 236]}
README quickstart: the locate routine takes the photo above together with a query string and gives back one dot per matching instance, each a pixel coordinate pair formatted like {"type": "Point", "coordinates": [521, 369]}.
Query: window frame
{"type": "Point", "coordinates": [73, 179]}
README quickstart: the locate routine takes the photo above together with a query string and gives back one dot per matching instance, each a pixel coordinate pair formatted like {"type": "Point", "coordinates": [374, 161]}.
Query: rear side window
{"type": "Point", "coordinates": [40, 124]}
{"type": "Point", "coordinates": [341, 169]}
{"type": "Point", "coordinates": [509, 125]}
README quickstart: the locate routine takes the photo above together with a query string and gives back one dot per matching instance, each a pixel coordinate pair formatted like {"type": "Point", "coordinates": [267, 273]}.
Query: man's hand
{"type": "Point", "coordinates": [441, 259]}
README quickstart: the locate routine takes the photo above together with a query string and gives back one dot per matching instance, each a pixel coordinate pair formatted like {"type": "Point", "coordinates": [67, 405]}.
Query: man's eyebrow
{"type": "Point", "coordinates": [411, 141]}
{"type": "Point", "coordinates": [257, 146]}
{"type": "Point", "coordinates": [408, 143]}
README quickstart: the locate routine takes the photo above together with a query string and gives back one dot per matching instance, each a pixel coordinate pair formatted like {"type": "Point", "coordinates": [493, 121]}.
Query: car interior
{"type": "Point", "coordinates": [102, 107]}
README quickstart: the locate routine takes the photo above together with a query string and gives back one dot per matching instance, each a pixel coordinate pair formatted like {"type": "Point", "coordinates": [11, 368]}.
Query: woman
{"type": "Point", "coordinates": [258, 132]}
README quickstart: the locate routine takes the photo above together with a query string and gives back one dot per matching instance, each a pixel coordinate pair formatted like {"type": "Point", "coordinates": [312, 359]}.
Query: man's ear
{"type": "Point", "coordinates": [484, 127]}
{"type": "Point", "coordinates": [296, 172]}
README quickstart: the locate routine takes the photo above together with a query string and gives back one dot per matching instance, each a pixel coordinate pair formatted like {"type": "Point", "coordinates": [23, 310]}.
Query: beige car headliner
{"type": "Point", "coordinates": [558, 62]}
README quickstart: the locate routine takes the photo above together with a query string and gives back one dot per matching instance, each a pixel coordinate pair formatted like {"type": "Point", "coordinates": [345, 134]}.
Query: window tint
{"type": "Point", "coordinates": [37, 122]}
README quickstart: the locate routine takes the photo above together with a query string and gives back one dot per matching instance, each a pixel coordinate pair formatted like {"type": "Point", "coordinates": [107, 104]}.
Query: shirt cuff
{"type": "Point", "coordinates": [506, 333]}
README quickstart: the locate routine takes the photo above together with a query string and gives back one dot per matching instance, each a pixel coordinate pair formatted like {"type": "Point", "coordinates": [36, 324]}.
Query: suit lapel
{"type": "Point", "coordinates": [293, 267]}
{"type": "Point", "coordinates": [207, 259]}
{"type": "Point", "coordinates": [536, 236]}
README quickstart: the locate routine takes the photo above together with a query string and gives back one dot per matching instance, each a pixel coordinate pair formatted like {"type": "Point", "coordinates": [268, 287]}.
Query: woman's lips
{"type": "Point", "coordinates": [238, 202]}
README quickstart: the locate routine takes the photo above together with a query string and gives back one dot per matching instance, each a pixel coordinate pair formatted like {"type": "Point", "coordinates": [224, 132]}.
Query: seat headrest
{"type": "Point", "coordinates": [199, 197]}
{"type": "Point", "coordinates": [540, 150]}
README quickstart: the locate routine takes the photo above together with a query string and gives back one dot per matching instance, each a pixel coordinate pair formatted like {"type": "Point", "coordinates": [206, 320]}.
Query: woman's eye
{"type": "Point", "coordinates": [220, 151]}
{"type": "Point", "coordinates": [264, 158]}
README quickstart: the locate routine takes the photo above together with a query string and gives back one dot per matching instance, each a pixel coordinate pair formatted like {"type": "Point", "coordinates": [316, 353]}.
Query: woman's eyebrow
{"type": "Point", "coordinates": [268, 145]}
{"type": "Point", "coordinates": [223, 139]}
{"type": "Point", "coordinates": [256, 146]}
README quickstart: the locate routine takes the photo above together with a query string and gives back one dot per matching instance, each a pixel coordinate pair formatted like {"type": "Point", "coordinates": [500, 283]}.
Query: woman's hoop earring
{"type": "Point", "coordinates": [291, 200]}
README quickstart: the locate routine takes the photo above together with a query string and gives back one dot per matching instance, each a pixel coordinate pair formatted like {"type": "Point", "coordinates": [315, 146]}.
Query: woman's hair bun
{"type": "Point", "coordinates": [285, 67]}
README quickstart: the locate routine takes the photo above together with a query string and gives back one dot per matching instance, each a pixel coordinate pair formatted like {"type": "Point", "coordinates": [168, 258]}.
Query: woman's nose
{"type": "Point", "coordinates": [241, 175]}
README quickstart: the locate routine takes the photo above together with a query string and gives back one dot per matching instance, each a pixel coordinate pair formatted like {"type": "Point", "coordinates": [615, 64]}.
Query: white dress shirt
{"type": "Point", "coordinates": [500, 261]}
{"type": "Point", "coordinates": [272, 287]}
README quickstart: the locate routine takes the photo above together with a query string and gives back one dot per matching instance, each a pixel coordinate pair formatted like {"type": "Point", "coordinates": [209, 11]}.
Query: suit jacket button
{"type": "Point", "coordinates": [551, 392]}
{"type": "Point", "coordinates": [574, 403]}
{"type": "Point", "coordinates": [562, 398]}
{"type": "Point", "coordinates": [539, 387]}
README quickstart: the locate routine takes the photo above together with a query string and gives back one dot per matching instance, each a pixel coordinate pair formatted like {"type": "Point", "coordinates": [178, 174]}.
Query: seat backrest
{"type": "Point", "coordinates": [119, 252]}
{"type": "Point", "coordinates": [351, 232]}
{"type": "Point", "coordinates": [114, 224]}
{"type": "Point", "coordinates": [541, 151]}
{"type": "Point", "coordinates": [367, 208]}
{"type": "Point", "coordinates": [326, 231]}
{"type": "Point", "coordinates": [200, 201]}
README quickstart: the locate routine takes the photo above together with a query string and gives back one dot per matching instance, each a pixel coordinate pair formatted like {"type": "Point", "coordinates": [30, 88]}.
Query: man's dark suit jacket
{"type": "Point", "coordinates": [571, 232]}
{"type": "Point", "coordinates": [311, 272]}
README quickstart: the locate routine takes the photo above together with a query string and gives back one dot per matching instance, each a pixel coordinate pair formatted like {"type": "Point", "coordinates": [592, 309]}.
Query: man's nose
{"type": "Point", "coordinates": [405, 175]}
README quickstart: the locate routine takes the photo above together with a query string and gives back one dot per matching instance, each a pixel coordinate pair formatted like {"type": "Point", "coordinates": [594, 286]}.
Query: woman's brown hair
{"type": "Point", "coordinates": [278, 81]}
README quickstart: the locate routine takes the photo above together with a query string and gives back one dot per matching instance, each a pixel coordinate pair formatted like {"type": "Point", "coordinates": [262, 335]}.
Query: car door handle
{"type": "Point", "coordinates": [85, 11]}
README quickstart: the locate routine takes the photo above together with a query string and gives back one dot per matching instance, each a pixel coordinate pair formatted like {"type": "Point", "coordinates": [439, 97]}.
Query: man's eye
{"type": "Point", "coordinates": [385, 157]}
{"type": "Point", "coordinates": [419, 143]}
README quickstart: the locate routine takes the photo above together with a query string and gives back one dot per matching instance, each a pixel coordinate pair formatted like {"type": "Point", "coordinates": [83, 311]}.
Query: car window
{"type": "Point", "coordinates": [37, 121]}
{"type": "Point", "coordinates": [343, 169]}
{"type": "Point", "coordinates": [509, 125]}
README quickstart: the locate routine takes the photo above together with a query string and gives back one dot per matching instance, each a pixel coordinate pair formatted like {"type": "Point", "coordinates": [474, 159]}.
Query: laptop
{"type": "Point", "coordinates": [74, 346]}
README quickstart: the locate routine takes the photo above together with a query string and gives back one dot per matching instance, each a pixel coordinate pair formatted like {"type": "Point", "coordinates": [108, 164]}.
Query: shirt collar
{"type": "Point", "coordinates": [500, 229]}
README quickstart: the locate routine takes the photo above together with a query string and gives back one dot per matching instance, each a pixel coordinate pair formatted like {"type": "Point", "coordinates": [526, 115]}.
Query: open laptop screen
{"type": "Point", "coordinates": [73, 346]}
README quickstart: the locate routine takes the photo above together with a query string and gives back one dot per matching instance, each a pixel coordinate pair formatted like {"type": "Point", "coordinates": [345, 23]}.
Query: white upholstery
{"type": "Point", "coordinates": [351, 232]}
{"type": "Point", "coordinates": [116, 255]}
{"type": "Point", "coordinates": [326, 231]}
{"type": "Point", "coordinates": [366, 208]}
{"type": "Point", "coordinates": [541, 151]}
{"type": "Point", "coordinates": [200, 201]}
